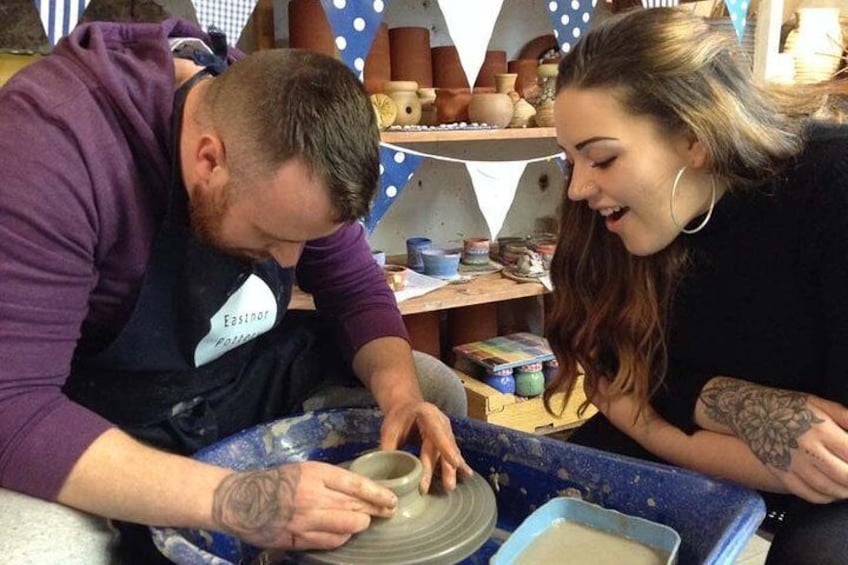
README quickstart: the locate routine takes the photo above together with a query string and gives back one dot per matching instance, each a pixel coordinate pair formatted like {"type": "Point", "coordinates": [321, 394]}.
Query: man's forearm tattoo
{"type": "Point", "coordinates": [770, 421]}
{"type": "Point", "coordinates": [257, 503]}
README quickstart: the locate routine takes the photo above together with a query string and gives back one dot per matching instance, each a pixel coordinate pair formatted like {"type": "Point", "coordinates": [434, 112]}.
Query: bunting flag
{"type": "Point", "coordinates": [230, 16]}
{"type": "Point", "coordinates": [354, 24]}
{"type": "Point", "coordinates": [738, 10]}
{"type": "Point", "coordinates": [396, 168]}
{"type": "Point", "coordinates": [470, 24]}
{"type": "Point", "coordinates": [571, 20]}
{"type": "Point", "coordinates": [494, 184]}
{"type": "Point", "coordinates": [59, 17]}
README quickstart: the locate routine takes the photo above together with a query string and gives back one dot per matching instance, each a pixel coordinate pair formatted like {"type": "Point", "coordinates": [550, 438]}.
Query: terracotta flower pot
{"type": "Point", "coordinates": [309, 28]}
{"type": "Point", "coordinates": [447, 70]}
{"type": "Point", "coordinates": [493, 63]}
{"type": "Point", "coordinates": [410, 52]}
{"type": "Point", "coordinates": [378, 65]}
{"type": "Point", "coordinates": [452, 105]}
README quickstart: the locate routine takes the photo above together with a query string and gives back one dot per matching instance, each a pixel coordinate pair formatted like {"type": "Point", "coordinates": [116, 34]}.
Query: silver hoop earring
{"type": "Point", "coordinates": [703, 224]}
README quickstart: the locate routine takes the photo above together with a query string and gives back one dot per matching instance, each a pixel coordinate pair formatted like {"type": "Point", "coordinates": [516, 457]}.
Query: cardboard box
{"type": "Point", "coordinates": [524, 414]}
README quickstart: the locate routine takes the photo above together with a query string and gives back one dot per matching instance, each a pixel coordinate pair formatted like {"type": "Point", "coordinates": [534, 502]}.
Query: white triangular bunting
{"type": "Point", "coordinates": [470, 24]}
{"type": "Point", "coordinates": [494, 184]}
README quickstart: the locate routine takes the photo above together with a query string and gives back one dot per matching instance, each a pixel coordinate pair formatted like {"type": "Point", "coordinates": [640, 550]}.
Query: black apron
{"type": "Point", "coordinates": [208, 349]}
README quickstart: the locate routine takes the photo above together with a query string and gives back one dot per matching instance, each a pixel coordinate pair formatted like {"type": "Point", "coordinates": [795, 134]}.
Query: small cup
{"type": "Point", "coordinates": [395, 276]}
{"type": "Point", "coordinates": [475, 251]}
{"type": "Point", "coordinates": [414, 246]}
{"type": "Point", "coordinates": [442, 263]}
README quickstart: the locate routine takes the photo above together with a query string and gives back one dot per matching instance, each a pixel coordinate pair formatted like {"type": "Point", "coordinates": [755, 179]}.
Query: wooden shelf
{"type": "Point", "coordinates": [480, 290]}
{"type": "Point", "coordinates": [467, 135]}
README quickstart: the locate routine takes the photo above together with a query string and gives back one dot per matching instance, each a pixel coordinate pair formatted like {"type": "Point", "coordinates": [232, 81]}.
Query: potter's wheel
{"type": "Point", "coordinates": [440, 527]}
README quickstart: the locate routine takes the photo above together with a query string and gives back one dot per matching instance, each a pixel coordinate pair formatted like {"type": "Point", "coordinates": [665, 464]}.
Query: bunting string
{"type": "Point", "coordinates": [559, 155]}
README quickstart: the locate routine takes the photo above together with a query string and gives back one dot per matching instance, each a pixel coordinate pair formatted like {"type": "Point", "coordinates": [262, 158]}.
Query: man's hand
{"type": "Point", "coordinates": [299, 506]}
{"type": "Point", "coordinates": [438, 445]}
{"type": "Point", "coordinates": [801, 438]}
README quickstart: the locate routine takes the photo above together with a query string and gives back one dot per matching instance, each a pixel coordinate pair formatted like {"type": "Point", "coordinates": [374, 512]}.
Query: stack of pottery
{"type": "Point", "coordinates": [816, 44]}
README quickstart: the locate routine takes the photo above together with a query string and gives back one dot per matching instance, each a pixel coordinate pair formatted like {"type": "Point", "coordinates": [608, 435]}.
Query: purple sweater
{"type": "Point", "coordinates": [78, 133]}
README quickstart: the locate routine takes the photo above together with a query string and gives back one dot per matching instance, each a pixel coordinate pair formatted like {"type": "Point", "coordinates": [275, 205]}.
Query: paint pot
{"type": "Point", "coordinates": [545, 248]}
{"type": "Point", "coordinates": [379, 257]}
{"type": "Point", "coordinates": [395, 276]}
{"type": "Point", "coordinates": [441, 263]}
{"type": "Point", "coordinates": [475, 251]}
{"type": "Point", "coordinates": [414, 246]}
{"type": "Point", "coordinates": [502, 242]}
{"type": "Point", "coordinates": [550, 370]}
{"type": "Point", "coordinates": [513, 251]}
{"type": "Point", "coordinates": [529, 380]}
{"type": "Point", "coordinates": [502, 380]}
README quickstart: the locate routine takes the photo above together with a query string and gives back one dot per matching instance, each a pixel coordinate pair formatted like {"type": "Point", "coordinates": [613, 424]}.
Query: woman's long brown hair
{"type": "Point", "coordinates": [611, 310]}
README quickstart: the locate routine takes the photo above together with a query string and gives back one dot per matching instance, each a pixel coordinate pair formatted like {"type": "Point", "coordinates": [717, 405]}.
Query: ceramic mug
{"type": "Point", "coordinates": [379, 257]}
{"type": "Point", "coordinates": [414, 246]}
{"type": "Point", "coordinates": [475, 251]}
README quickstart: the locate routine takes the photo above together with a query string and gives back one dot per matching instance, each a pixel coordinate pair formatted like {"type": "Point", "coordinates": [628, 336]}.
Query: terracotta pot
{"type": "Point", "coordinates": [526, 71]}
{"type": "Point", "coordinates": [410, 52]}
{"type": "Point", "coordinates": [404, 93]}
{"type": "Point", "coordinates": [490, 108]}
{"type": "Point", "coordinates": [452, 105]}
{"type": "Point", "coordinates": [378, 65]}
{"type": "Point", "coordinates": [447, 70]}
{"type": "Point", "coordinates": [493, 63]}
{"type": "Point", "coordinates": [309, 28]}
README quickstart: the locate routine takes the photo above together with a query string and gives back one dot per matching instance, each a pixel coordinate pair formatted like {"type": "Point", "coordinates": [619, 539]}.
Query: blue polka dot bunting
{"type": "Point", "coordinates": [571, 20]}
{"type": "Point", "coordinates": [354, 23]}
{"type": "Point", "coordinates": [396, 168]}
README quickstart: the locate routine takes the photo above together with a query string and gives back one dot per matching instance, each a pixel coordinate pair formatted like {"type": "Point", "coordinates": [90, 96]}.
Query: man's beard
{"type": "Point", "coordinates": [207, 216]}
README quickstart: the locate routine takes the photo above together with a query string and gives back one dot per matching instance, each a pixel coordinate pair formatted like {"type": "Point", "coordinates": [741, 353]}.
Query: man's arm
{"type": "Point", "coordinates": [385, 366]}
{"type": "Point", "coordinates": [298, 506]}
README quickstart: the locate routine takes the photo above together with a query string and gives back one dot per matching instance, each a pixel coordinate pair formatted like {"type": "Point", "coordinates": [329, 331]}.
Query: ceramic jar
{"type": "Point", "coordinates": [404, 93]}
{"type": "Point", "coordinates": [493, 108]}
{"type": "Point", "coordinates": [441, 263]}
{"type": "Point", "coordinates": [529, 380]}
{"type": "Point", "coordinates": [502, 381]}
{"type": "Point", "coordinates": [414, 247]}
{"type": "Point", "coordinates": [475, 251]}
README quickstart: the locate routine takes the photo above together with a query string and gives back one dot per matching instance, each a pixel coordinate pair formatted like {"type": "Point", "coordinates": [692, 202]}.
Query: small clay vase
{"type": "Point", "coordinates": [309, 28]}
{"type": "Point", "coordinates": [505, 82]}
{"type": "Point", "coordinates": [545, 115]}
{"type": "Point", "coordinates": [522, 114]}
{"type": "Point", "coordinates": [398, 471]}
{"type": "Point", "coordinates": [447, 69]}
{"type": "Point", "coordinates": [410, 52]}
{"type": "Point", "coordinates": [404, 93]}
{"type": "Point", "coordinates": [378, 64]}
{"type": "Point", "coordinates": [494, 109]}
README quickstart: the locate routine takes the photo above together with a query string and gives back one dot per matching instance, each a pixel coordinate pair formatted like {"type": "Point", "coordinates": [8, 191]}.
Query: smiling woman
{"type": "Point", "coordinates": [700, 268]}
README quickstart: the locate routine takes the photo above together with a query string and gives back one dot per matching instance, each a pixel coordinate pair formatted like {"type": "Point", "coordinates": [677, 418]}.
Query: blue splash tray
{"type": "Point", "coordinates": [714, 518]}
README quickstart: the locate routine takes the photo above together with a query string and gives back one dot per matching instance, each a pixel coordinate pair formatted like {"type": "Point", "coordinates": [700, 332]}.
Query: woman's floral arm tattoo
{"type": "Point", "coordinates": [256, 504]}
{"type": "Point", "coordinates": [769, 420]}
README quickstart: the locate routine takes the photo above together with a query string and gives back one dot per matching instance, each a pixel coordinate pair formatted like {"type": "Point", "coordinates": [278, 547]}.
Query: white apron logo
{"type": "Point", "coordinates": [249, 312]}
